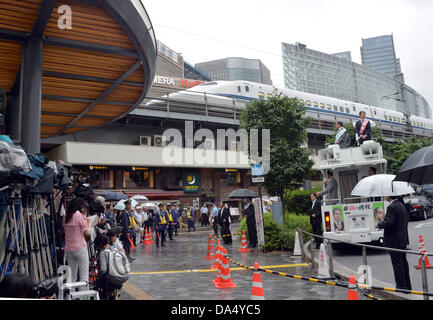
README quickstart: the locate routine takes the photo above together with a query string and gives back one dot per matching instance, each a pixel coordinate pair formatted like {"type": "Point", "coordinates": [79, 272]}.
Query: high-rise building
{"type": "Point", "coordinates": [378, 53]}
{"type": "Point", "coordinates": [344, 55]}
{"type": "Point", "coordinates": [316, 72]}
{"type": "Point", "coordinates": [232, 69]}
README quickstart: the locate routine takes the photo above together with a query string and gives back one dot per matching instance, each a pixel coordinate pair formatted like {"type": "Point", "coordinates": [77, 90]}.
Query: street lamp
{"type": "Point", "coordinates": [406, 113]}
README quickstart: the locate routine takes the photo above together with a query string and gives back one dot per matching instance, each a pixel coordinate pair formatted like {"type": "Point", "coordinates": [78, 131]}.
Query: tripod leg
{"type": "Point", "coordinates": [46, 246]}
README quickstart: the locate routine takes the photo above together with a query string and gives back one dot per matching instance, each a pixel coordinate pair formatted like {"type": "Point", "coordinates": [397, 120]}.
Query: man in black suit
{"type": "Point", "coordinates": [250, 213]}
{"type": "Point", "coordinates": [225, 224]}
{"type": "Point", "coordinates": [316, 219]}
{"type": "Point", "coordinates": [396, 236]}
{"type": "Point", "coordinates": [362, 129]}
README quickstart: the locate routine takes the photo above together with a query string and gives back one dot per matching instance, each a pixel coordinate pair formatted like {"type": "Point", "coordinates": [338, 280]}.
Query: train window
{"type": "Point", "coordinates": [385, 117]}
{"type": "Point", "coordinates": [239, 88]}
{"type": "Point", "coordinates": [261, 95]}
{"type": "Point", "coordinates": [354, 109]}
{"type": "Point", "coordinates": [375, 113]}
{"type": "Point", "coordinates": [329, 107]}
{"type": "Point", "coordinates": [398, 119]}
{"type": "Point", "coordinates": [341, 109]}
{"type": "Point", "coordinates": [269, 95]}
{"type": "Point", "coordinates": [393, 119]}
{"type": "Point", "coordinates": [335, 108]}
{"type": "Point", "coordinates": [247, 89]}
{"type": "Point", "coordinates": [301, 102]}
{"type": "Point", "coordinates": [322, 105]}
{"type": "Point", "coordinates": [347, 110]}
{"type": "Point", "coordinates": [308, 103]}
{"type": "Point", "coordinates": [315, 104]}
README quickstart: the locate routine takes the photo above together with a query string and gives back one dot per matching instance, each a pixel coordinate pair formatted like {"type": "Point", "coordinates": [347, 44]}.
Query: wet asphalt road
{"type": "Point", "coordinates": [380, 262]}
{"type": "Point", "coordinates": [179, 272]}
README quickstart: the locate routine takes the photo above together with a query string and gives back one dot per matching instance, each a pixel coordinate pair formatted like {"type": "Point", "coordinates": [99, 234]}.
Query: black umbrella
{"type": "Point", "coordinates": [418, 168]}
{"type": "Point", "coordinates": [242, 193]}
{"type": "Point", "coordinates": [113, 195]}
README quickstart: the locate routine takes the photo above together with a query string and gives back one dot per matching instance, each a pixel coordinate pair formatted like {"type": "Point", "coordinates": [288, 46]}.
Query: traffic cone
{"type": "Point", "coordinates": [423, 250]}
{"type": "Point", "coordinates": [352, 292]}
{"type": "Point", "coordinates": [323, 272]}
{"type": "Point", "coordinates": [148, 237]}
{"type": "Point", "coordinates": [225, 278]}
{"type": "Point", "coordinates": [218, 259]}
{"type": "Point", "coordinates": [257, 288]}
{"type": "Point", "coordinates": [297, 249]}
{"type": "Point", "coordinates": [244, 247]}
{"type": "Point", "coordinates": [132, 244]}
{"type": "Point", "coordinates": [210, 253]}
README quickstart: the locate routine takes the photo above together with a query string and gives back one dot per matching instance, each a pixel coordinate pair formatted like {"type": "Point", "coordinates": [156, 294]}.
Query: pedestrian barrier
{"type": "Point", "coordinates": [334, 283]}
{"type": "Point", "coordinates": [423, 251]}
{"type": "Point", "coordinates": [228, 235]}
{"type": "Point", "coordinates": [352, 292]}
{"type": "Point", "coordinates": [244, 247]}
{"type": "Point", "coordinates": [424, 255]}
{"type": "Point", "coordinates": [225, 278]}
{"type": "Point", "coordinates": [210, 253]}
{"type": "Point", "coordinates": [218, 256]}
{"type": "Point", "coordinates": [257, 287]}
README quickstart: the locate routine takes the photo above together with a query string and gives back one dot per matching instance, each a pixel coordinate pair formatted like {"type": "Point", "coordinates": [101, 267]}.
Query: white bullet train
{"type": "Point", "coordinates": [234, 94]}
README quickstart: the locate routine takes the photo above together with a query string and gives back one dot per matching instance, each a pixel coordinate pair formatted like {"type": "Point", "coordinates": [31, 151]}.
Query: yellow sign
{"type": "Point", "coordinates": [139, 169]}
{"type": "Point", "coordinates": [98, 168]}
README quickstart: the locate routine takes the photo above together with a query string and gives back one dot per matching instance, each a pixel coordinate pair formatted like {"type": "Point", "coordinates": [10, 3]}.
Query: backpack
{"type": "Point", "coordinates": [118, 267]}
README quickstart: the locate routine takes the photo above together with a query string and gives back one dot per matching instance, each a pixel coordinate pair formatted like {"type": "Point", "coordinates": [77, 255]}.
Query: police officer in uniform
{"type": "Point", "coordinates": [170, 222]}
{"type": "Point", "coordinates": [190, 218]}
{"type": "Point", "coordinates": [124, 218]}
{"type": "Point", "coordinates": [161, 219]}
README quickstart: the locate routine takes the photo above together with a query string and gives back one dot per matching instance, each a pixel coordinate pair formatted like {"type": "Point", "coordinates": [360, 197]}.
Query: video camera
{"type": "Point", "coordinates": [45, 288]}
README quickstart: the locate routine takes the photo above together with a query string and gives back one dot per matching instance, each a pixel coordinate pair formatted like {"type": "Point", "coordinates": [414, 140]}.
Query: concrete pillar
{"type": "Point", "coordinates": [32, 95]}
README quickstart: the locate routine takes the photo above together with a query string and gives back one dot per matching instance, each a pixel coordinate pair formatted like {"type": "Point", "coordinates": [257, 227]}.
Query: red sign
{"type": "Point", "coordinates": [189, 83]}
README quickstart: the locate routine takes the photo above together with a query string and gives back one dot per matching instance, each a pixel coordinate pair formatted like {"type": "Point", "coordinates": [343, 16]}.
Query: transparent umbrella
{"type": "Point", "coordinates": [120, 205]}
{"type": "Point", "coordinates": [381, 185]}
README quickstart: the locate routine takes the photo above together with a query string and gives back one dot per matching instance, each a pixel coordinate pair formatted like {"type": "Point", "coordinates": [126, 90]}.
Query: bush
{"type": "Point", "coordinates": [277, 237]}
{"type": "Point", "coordinates": [300, 202]}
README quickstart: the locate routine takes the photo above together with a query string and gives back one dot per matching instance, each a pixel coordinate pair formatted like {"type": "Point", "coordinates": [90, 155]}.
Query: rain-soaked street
{"type": "Point", "coordinates": [179, 272]}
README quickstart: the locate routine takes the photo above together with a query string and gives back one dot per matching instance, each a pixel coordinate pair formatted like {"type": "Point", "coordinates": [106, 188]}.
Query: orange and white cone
{"type": "Point", "coordinates": [148, 237]}
{"type": "Point", "coordinates": [257, 288]}
{"type": "Point", "coordinates": [352, 292]}
{"type": "Point", "coordinates": [218, 259]}
{"type": "Point", "coordinates": [423, 250]}
{"type": "Point", "coordinates": [244, 246]}
{"type": "Point", "coordinates": [210, 253]}
{"type": "Point", "coordinates": [225, 278]}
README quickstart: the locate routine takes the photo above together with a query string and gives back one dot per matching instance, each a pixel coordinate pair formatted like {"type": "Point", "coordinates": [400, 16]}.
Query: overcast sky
{"type": "Point", "coordinates": [207, 30]}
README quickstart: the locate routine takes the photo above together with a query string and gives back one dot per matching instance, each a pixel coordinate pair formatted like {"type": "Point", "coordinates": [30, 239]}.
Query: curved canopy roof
{"type": "Point", "coordinates": [94, 73]}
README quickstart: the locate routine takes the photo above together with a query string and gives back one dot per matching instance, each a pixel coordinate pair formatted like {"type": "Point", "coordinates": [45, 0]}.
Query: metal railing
{"type": "Point", "coordinates": [364, 247]}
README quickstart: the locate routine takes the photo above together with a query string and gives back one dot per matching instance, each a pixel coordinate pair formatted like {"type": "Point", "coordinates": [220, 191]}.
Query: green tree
{"type": "Point", "coordinates": [289, 162]}
{"type": "Point", "coordinates": [396, 153]}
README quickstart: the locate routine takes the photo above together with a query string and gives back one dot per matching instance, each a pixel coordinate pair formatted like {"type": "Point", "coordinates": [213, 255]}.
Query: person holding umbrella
{"type": "Point", "coordinates": [396, 236]}
{"type": "Point", "coordinates": [250, 213]}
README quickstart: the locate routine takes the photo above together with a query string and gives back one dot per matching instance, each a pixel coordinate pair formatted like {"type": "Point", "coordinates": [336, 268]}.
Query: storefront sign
{"type": "Point", "coordinates": [191, 182]}
{"type": "Point", "coordinates": [139, 169]}
{"type": "Point", "coordinates": [98, 167]}
{"type": "Point", "coordinates": [164, 80]}
{"type": "Point", "coordinates": [231, 170]}
{"type": "Point", "coordinates": [189, 83]}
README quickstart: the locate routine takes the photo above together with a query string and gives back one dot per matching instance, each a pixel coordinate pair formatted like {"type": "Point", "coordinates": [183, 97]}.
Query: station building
{"type": "Point", "coordinates": [128, 154]}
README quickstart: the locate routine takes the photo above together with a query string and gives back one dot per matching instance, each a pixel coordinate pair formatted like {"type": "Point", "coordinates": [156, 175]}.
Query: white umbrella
{"type": "Point", "coordinates": [149, 205]}
{"type": "Point", "coordinates": [381, 185]}
{"type": "Point", "coordinates": [139, 197]}
{"type": "Point", "coordinates": [120, 205]}
{"type": "Point", "coordinates": [133, 203]}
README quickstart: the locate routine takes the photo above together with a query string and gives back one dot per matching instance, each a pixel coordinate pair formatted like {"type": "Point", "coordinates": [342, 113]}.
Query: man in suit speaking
{"type": "Point", "coordinates": [316, 219]}
{"type": "Point", "coordinates": [395, 235]}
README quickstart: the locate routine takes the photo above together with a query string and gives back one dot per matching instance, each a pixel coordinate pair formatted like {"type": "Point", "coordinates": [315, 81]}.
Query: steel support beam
{"type": "Point", "coordinates": [106, 93]}
{"type": "Point", "coordinates": [73, 99]}
{"type": "Point", "coordinates": [87, 78]}
{"type": "Point", "coordinates": [32, 95]}
{"type": "Point", "coordinates": [43, 17]}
